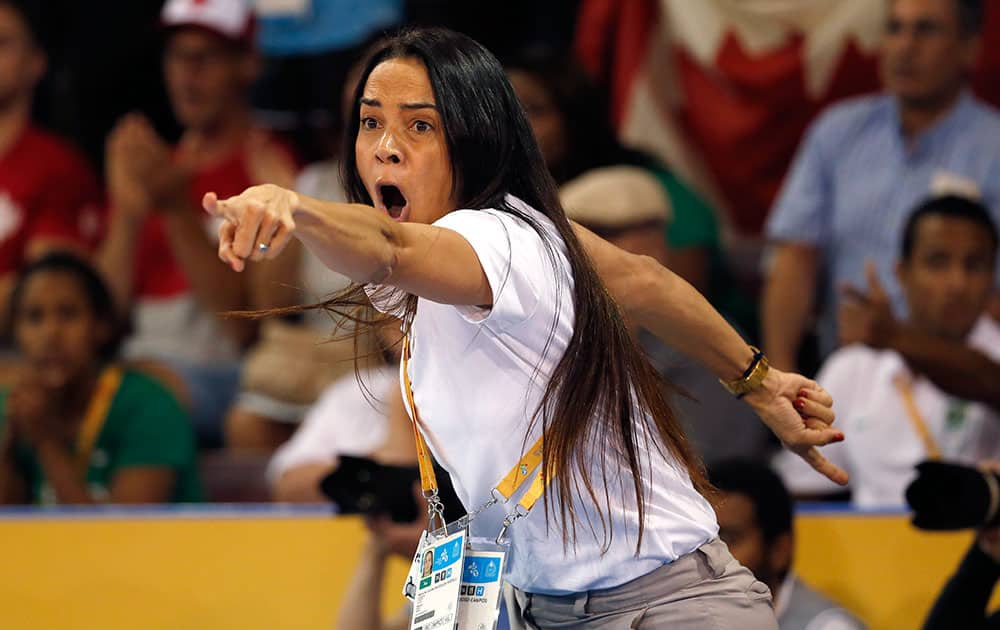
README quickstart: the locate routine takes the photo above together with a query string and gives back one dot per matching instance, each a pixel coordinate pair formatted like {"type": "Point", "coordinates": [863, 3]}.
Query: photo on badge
{"type": "Point", "coordinates": [435, 604]}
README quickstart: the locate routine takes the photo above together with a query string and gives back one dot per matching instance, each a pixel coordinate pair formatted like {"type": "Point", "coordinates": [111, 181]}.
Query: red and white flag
{"type": "Point", "coordinates": [722, 90]}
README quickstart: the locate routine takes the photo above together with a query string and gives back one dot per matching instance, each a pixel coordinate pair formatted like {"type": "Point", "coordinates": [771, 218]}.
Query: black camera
{"type": "Point", "coordinates": [362, 486]}
{"type": "Point", "coordinates": [947, 496]}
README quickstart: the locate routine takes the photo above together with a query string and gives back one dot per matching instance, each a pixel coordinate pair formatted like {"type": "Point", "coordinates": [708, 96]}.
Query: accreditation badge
{"type": "Point", "coordinates": [435, 602]}
{"type": "Point", "coordinates": [482, 585]}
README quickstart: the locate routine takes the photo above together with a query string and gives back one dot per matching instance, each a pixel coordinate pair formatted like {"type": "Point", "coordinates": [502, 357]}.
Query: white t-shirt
{"type": "Point", "coordinates": [882, 445]}
{"type": "Point", "coordinates": [344, 421]}
{"type": "Point", "coordinates": [478, 376]}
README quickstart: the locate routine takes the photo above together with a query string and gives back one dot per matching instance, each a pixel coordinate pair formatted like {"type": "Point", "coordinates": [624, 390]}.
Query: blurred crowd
{"type": "Point", "coordinates": [836, 197]}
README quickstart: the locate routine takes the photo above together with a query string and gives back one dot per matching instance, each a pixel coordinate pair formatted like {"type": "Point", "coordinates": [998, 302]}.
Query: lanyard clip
{"type": "Point", "coordinates": [508, 521]}
{"type": "Point", "coordinates": [435, 510]}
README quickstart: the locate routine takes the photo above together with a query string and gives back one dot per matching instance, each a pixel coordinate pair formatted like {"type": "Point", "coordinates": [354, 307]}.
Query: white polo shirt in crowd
{"type": "Point", "coordinates": [478, 375]}
{"type": "Point", "coordinates": [882, 445]}
{"type": "Point", "coordinates": [344, 421]}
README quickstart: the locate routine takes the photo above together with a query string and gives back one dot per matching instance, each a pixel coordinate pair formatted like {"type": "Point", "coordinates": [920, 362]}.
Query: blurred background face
{"type": "Point", "coordinates": [925, 55]}
{"type": "Point", "coordinates": [948, 278]}
{"type": "Point", "coordinates": [21, 62]}
{"type": "Point", "coordinates": [738, 529]}
{"type": "Point", "coordinates": [544, 116]}
{"type": "Point", "coordinates": [207, 77]}
{"type": "Point", "coordinates": [56, 329]}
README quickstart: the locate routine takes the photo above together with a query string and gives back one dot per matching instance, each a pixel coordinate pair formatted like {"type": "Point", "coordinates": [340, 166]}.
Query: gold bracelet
{"type": "Point", "coordinates": [752, 377]}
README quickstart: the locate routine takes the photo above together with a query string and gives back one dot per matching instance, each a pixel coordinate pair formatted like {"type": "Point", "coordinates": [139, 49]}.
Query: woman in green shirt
{"type": "Point", "coordinates": [76, 427]}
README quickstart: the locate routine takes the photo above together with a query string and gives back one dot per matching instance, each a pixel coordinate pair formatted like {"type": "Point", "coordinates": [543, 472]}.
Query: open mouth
{"type": "Point", "coordinates": [393, 200]}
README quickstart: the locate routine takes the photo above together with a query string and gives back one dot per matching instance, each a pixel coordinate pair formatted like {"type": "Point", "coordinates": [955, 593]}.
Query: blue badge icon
{"type": "Point", "coordinates": [480, 570]}
{"type": "Point", "coordinates": [479, 591]}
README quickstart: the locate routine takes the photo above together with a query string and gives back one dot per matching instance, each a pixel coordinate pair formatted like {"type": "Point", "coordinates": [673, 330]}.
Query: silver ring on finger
{"type": "Point", "coordinates": [263, 247]}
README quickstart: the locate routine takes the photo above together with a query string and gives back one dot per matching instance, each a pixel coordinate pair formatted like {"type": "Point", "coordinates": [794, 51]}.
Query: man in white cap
{"type": "Point", "coordinates": [159, 256]}
{"type": "Point", "coordinates": [629, 207]}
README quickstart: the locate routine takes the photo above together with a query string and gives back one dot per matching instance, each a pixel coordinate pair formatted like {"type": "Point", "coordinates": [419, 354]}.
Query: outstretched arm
{"type": "Point", "coordinates": [355, 240]}
{"type": "Point", "coordinates": [368, 246]}
{"type": "Point", "coordinates": [663, 303]}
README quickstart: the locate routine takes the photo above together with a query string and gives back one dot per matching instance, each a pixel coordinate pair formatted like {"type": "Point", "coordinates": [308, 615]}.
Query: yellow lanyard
{"type": "Point", "coordinates": [97, 412]}
{"type": "Point", "coordinates": [505, 488]}
{"type": "Point", "coordinates": [916, 418]}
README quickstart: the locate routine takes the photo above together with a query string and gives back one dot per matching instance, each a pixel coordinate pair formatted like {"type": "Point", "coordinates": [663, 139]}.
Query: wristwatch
{"type": "Point", "coordinates": [752, 377]}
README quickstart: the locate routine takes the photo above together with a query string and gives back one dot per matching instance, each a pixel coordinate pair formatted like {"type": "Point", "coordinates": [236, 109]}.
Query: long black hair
{"type": "Point", "coordinates": [588, 410]}
{"type": "Point", "coordinates": [91, 285]}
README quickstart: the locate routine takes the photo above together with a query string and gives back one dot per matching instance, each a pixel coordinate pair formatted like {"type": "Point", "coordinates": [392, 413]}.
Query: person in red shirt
{"type": "Point", "coordinates": [160, 254]}
{"type": "Point", "coordinates": [49, 198]}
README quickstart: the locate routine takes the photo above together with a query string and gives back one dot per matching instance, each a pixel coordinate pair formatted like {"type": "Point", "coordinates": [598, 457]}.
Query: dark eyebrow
{"type": "Point", "coordinates": [372, 102]}
{"type": "Point", "coordinates": [418, 106]}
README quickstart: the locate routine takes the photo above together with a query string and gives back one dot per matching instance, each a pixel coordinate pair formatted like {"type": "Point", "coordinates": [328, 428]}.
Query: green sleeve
{"type": "Point", "coordinates": [156, 431]}
{"type": "Point", "coordinates": [693, 223]}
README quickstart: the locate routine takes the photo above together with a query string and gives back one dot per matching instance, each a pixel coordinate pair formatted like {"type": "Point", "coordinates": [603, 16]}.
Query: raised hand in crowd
{"type": "Point", "coordinates": [126, 191]}
{"type": "Point", "coordinates": [32, 414]}
{"type": "Point", "coordinates": [164, 179]}
{"type": "Point", "coordinates": [866, 316]}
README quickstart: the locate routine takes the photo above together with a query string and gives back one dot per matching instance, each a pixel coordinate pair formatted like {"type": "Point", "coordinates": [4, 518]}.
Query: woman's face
{"type": "Point", "coordinates": [56, 329]}
{"type": "Point", "coordinates": [544, 116]}
{"type": "Point", "coordinates": [401, 150]}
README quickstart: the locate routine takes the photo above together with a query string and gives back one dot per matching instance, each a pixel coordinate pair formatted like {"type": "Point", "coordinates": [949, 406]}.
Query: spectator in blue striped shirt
{"type": "Point", "coordinates": [866, 163]}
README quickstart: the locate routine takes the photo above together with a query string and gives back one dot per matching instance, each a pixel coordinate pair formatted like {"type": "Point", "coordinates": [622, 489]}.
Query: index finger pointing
{"type": "Point", "coordinates": [210, 202]}
{"type": "Point", "coordinates": [871, 274]}
{"type": "Point", "coordinates": [825, 467]}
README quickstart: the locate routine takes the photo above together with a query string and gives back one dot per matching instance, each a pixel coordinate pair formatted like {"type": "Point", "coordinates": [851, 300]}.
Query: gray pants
{"type": "Point", "coordinates": [706, 589]}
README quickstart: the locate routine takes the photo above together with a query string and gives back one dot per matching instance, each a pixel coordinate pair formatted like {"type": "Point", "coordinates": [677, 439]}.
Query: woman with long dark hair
{"type": "Point", "coordinates": [457, 229]}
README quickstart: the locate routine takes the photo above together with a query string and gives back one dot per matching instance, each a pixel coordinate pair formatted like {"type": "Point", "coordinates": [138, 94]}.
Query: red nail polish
{"type": "Point", "coordinates": [802, 393]}
{"type": "Point", "coordinates": [799, 404]}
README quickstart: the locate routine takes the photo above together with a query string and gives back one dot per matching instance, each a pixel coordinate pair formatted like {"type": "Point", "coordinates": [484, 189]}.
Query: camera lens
{"type": "Point", "coordinates": [947, 496]}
